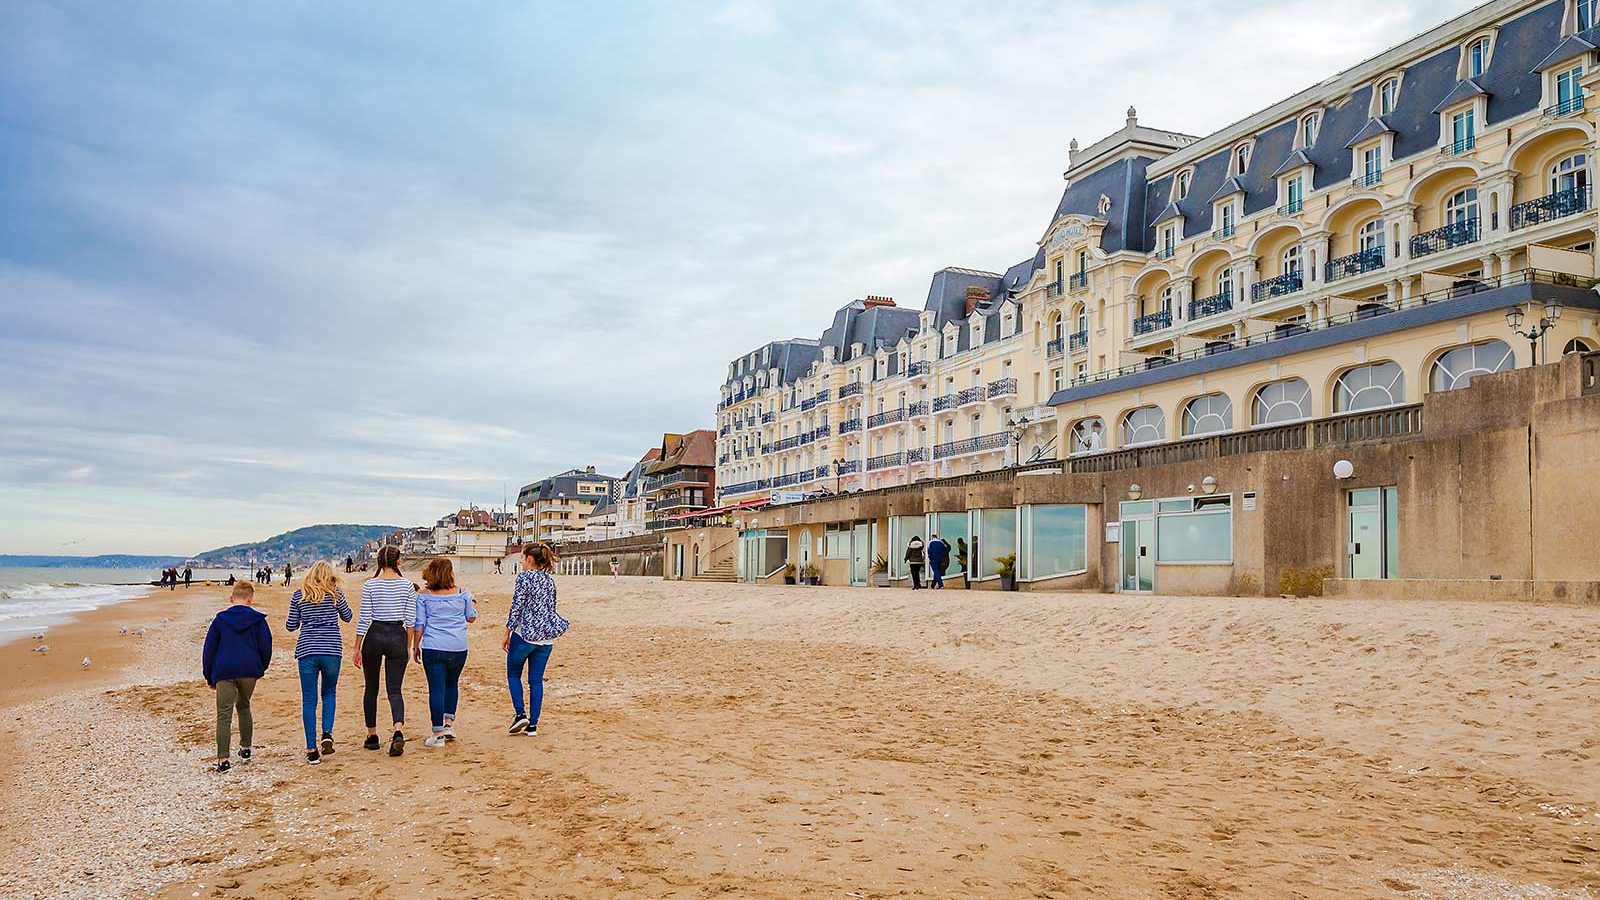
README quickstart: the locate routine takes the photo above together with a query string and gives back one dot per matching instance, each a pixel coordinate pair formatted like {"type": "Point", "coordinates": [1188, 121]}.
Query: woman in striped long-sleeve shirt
{"type": "Point", "coordinates": [383, 639]}
{"type": "Point", "coordinates": [315, 611]}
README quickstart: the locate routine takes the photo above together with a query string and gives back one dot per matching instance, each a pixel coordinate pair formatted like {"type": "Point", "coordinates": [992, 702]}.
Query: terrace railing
{"type": "Point", "coordinates": [1370, 425]}
{"type": "Point", "coordinates": [1267, 289]}
{"type": "Point", "coordinates": [1354, 264]}
{"type": "Point", "coordinates": [887, 417]}
{"type": "Point", "coordinates": [975, 394]}
{"type": "Point", "coordinates": [1566, 107]}
{"type": "Point", "coordinates": [849, 425]}
{"type": "Point", "coordinates": [970, 445]}
{"type": "Point", "coordinates": [1153, 322]}
{"type": "Point", "coordinates": [1053, 347]}
{"type": "Point", "coordinates": [948, 401]}
{"type": "Point", "coordinates": [852, 389]}
{"type": "Point", "coordinates": [1211, 306]}
{"type": "Point", "coordinates": [1550, 207]}
{"type": "Point", "coordinates": [1078, 340]}
{"type": "Point", "coordinates": [886, 461]}
{"type": "Point", "coordinates": [1455, 234]}
{"type": "Point", "coordinates": [1002, 387]}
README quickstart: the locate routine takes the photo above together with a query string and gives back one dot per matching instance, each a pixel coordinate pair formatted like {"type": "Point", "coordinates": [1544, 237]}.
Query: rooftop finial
{"type": "Point", "coordinates": [1133, 116]}
{"type": "Point", "coordinates": [1072, 148]}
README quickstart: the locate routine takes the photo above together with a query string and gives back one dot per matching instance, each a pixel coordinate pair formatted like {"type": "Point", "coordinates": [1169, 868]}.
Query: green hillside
{"type": "Point", "coordinates": [301, 546]}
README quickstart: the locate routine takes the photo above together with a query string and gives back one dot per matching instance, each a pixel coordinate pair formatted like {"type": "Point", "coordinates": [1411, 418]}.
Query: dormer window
{"type": "Point", "coordinates": [950, 344]}
{"type": "Point", "coordinates": [1463, 134]}
{"type": "Point", "coordinates": [1241, 159]}
{"type": "Point", "coordinates": [1388, 96]}
{"type": "Point", "coordinates": [1308, 130]}
{"type": "Point", "coordinates": [1475, 57]}
{"type": "Point", "coordinates": [1586, 10]}
{"type": "Point", "coordinates": [1169, 241]}
{"type": "Point", "coordinates": [1181, 187]}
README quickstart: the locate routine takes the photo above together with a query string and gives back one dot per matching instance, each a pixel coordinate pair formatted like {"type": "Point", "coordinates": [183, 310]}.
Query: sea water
{"type": "Point", "coordinates": [32, 600]}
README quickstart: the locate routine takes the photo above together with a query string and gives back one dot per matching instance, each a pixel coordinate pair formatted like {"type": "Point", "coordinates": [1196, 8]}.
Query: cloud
{"type": "Point", "coordinates": [271, 264]}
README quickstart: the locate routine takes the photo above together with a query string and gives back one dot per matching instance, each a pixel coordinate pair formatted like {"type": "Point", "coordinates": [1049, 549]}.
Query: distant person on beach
{"type": "Point", "coordinates": [532, 627]}
{"type": "Point", "coordinates": [497, 566]}
{"type": "Point", "coordinates": [615, 569]}
{"type": "Point", "coordinates": [443, 613]}
{"type": "Point", "coordinates": [288, 575]}
{"type": "Point", "coordinates": [172, 578]}
{"type": "Point", "coordinates": [349, 565]}
{"type": "Point", "coordinates": [938, 560]}
{"type": "Point", "coordinates": [315, 610]}
{"type": "Point", "coordinates": [238, 649]}
{"type": "Point", "coordinates": [914, 561]}
{"type": "Point", "coordinates": [230, 581]}
{"type": "Point", "coordinates": [188, 577]}
{"type": "Point", "coordinates": [383, 640]}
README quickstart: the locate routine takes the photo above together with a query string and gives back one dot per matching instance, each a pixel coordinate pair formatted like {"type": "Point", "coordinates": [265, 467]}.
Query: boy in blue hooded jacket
{"type": "Point", "coordinates": [237, 651]}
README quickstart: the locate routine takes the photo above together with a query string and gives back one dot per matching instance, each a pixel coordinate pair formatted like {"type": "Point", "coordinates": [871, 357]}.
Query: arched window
{"type": "Point", "coordinates": [1586, 14]}
{"type": "Point", "coordinates": [1241, 159]}
{"type": "Point", "coordinates": [1576, 346]}
{"type": "Point", "coordinates": [1283, 401]}
{"type": "Point", "coordinates": [1456, 367]}
{"type": "Point", "coordinates": [1462, 206]}
{"type": "Point", "coordinates": [1570, 173]}
{"type": "Point", "coordinates": [1477, 54]}
{"type": "Point", "coordinates": [1370, 237]}
{"type": "Point", "coordinates": [1291, 260]}
{"type": "Point", "coordinates": [1369, 387]}
{"type": "Point", "coordinates": [1145, 425]}
{"type": "Point", "coordinates": [1089, 435]}
{"type": "Point", "coordinates": [1207, 414]}
{"type": "Point", "coordinates": [1166, 298]}
{"type": "Point", "coordinates": [1055, 326]}
{"type": "Point", "coordinates": [1082, 319]}
{"type": "Point", "coordinates": [1308, 130]}
{"type": "Point", "coordinates": [1225, 281]}
{"type": "Point", "coordinates": [1388, 96]}
{"type": "Point", "coordinates": [1182, 186]}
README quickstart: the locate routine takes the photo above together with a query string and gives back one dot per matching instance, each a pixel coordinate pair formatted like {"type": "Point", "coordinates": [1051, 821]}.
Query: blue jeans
{"type": "Point", "coordinates": [535, 657]}
{"type": "Point", "coordinates": [325, 665]}
{"type": "Point", "coordinates": [443, 668]}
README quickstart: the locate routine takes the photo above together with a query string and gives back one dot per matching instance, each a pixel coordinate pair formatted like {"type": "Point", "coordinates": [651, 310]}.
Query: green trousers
{"type": "Point", "coordinates": [231, 694]}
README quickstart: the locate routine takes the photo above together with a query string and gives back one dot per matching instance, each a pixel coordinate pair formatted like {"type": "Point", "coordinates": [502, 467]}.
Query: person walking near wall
{"type": "Point", "coordinates": [315, 610]}
{"type": "Point", "coordinates": [237, 651]}
{"type": "Point", "coordinates": [532, 627]}
{"type": "Point", "coordinates": [914, 561]}
{"type": "Point", "coordinates": [938, 560]}
{"type": "Point", "coordinates": [443, 613]}
{"type": "Point", "coordinates": [384, 642]}
{"type": "Point", "coordinates": [188, 577]}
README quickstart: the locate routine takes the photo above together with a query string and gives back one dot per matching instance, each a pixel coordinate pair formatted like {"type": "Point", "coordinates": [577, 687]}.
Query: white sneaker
{"type": "Point", "coordinates": [449, 732]}
{"type": "Point", "coordinates": [434, 740]}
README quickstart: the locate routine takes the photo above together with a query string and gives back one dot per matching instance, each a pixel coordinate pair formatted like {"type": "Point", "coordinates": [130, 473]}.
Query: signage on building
{"type": "Point", "coordinates": [788, 496]}
{"type": "Point", "coordinates": [1113, 532]}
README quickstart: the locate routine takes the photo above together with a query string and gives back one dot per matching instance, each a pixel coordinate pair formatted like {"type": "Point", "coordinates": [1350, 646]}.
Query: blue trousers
{"type": "Point", "coordinates": [323, 667]}
{"type": "Point", "coordinates": [937, 575]}
{"type": "Point", "coordinates": [535, 657]}
{"type": "Point", "coordinates": [443, 668]}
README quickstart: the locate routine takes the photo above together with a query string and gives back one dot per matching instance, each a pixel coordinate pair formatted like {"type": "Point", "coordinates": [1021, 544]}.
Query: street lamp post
{"type": "Point", "coordinates": [1019, 427]}
{"type": "Point", "coordinates": [838, 474]}
{"type": "Point", "coordinates": [1515, 316]}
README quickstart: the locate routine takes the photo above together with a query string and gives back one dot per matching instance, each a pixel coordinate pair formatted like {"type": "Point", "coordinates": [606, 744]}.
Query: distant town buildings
{"type": "Point", "coordinates": [557, 508]}
{"type": "Point", "coordinates": [682, 479]}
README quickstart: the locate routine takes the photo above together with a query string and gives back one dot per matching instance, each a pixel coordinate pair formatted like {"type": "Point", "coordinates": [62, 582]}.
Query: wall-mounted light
{"type": "Point", "coordinates": [1208, 485]}
{"type": "Point", "coordinates": [1343, 469]}
{"type": "Point", "coordinates": [1135, 491]}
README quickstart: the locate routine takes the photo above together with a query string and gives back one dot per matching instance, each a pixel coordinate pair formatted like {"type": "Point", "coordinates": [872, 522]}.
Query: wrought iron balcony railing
{"type": "Point", "coordinates": [1225, 231]}
{"type": "Point", "coordinates": [1002, 387]}
{"type": "Point", "coordinates": [919, 368]}
{"type": "Point", "coordinates": [788, 443]}
{"type": "Point", "coordinates": [1566, 107]}
{"type": "Point", "coordinates": [887, 460]}
{"type": "Point", "coordinates": [919, 408]}
{"type": "Point", "coordinates": [917, 455]}
{"type": "Point", "coordinates": [948, 401]}
{"type": "Point", "coordinates": [1053, 289]}
{"type": "Point", "coordinates": [849, 425]}
{"type": "Point", "coordinates": [887, 417]}
{"type": "Point", "coordinates": [849, 467]}
{"type": "Point", "coordinates": [1287, 283]}
{"type": "Point", "coordinates": [1077, 281]}
{"type": "Point", "coordinates": [1354, 264]}
{"type": "Point", "coordinates": [1053, 347]}
{"type": "Point", "coordinates": [1550, 207]}
{"type": "Point", "coordinates": [1292, 208]}
{"type": "Point", "coordinates": [1368, 179]}
{"type": "Point", "coordinates": [1461, 145]}
{"type": "Point", "coordinates": [970, 395]}
{"type": "Point", "coordinates": [1210, 306]}
{"type": "Point", "coordinates": [1453, 235]}
{"type": "Point", "coordinates": [767, 418]}
{"type": "Point", "coordinates": [1166, 252]}
{"type": "Point", "coordinates": [851, 389]}
{"type": "Point", "coordinates": [808, 404]}
{"type": "Point", "coordinates": [970, 445]}
{"type": "Point", "coordinates": [1153, 322]}
{"type": "Point", "coordinates": [1078, 340]}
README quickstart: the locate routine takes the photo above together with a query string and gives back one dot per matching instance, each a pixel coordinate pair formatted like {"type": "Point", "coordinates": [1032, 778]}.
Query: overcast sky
{"type": "Point", "coordinates": [264, 265]}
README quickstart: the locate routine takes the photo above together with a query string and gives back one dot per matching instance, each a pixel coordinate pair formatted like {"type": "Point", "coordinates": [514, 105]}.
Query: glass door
{"type": "Point", "coordinates": [1372, 546]}
{"type": "Point", "coordinates": [861, 553]}
{"type": "Point", "coordinates": [1138, 555]}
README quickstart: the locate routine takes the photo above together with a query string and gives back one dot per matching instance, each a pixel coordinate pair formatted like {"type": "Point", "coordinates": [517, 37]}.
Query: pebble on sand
{"type": "Point", "coordinates": [85, 662]}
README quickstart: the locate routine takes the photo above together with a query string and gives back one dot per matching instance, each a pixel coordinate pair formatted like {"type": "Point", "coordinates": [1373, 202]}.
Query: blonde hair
{"type": "Point", "coordinates": [321, 581]}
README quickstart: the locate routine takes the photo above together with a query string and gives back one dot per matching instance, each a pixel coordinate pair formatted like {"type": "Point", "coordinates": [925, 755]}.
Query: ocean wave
{"type": "Point", "coordinates": [28, 601]}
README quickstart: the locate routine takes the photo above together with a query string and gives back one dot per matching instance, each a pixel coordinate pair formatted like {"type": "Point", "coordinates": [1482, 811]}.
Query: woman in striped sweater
{"type": "Point", "coordinates": [383, 639]}
{"type": "Point", "coordinates": [315, 611]}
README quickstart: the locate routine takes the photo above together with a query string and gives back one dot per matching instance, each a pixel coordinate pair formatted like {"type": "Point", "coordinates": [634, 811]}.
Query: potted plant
{"type": "Point", "coordinates": [1008, 571]}
{"type": "Point", "coordinates": [788, 573]}
{"type": "Point", "coordinates": [880, 571]}
{"type": "Point", "coordinates": [810, 574]}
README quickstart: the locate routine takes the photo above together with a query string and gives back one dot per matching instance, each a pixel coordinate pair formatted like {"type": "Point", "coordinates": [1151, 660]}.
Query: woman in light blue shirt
{"type": "Point", "coordinates": [443, 613]}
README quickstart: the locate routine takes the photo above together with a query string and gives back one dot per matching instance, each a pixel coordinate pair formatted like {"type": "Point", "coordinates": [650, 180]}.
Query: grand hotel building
{"type": "Point", "coordinates": [1351, 247]}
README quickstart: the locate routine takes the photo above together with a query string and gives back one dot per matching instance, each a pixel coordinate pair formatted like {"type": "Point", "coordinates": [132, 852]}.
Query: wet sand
{"type": "Point", "coordinates": [705, 740]}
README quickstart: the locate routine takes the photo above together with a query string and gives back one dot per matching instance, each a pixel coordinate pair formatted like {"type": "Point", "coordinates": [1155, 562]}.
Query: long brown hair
{"type": "Point", "coordinates": [542, 555]}
{"type": "Point", "coordinates": [388, 558]}
{"type": "Point", "coordinates": [438, 574]}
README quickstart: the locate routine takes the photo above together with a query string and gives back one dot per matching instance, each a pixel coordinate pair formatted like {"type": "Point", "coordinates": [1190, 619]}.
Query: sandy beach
{"type": "Point", "coordinates": [703, 740]}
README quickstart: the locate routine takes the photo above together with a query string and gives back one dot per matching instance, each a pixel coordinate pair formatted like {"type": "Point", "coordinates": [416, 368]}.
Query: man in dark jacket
{"type": "Point", "coordinates": [237, 651]}
{"type": "Point", "coordinates": [938, 561]}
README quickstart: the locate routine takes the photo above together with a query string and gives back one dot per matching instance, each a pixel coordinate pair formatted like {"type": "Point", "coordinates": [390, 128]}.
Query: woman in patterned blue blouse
{"type": "Point", "coordinates": [531, 631]}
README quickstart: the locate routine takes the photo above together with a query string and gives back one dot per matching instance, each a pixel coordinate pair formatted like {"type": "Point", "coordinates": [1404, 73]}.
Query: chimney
{"type": "Point", "coordinates": [589, 469]}
{"type": "Point", "coordinates": [976, 296]}
{"type": "Point", "coordinates": [874, 300]}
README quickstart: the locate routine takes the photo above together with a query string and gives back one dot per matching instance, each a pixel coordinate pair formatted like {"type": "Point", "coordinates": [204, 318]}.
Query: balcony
{"type": "Point", "coordinates": [1211, 306]}
{"type": "Point", "coordinates": [808, 404]}
{"type": "Point", "coordinates": [724, 431]}
{"type": "Point", "coordinates": [1078, 340]}
{"type": "Point", "coordinates": [823, 430]}
{"type": "Point", "coordinates": [1455, 234]}
{"type": "Point", "coordinates": [1566, 107]}
{"type": "Point", "coordinates": [1368, 179]}
{"type": "Point", "coordinates": [1153, 322]}
{"type": "Point", "coordinates": [887, 417]}
{"type": "Point", "coordinates": [1053, 348]}
{"type": "Point", "coordinates": [745, 487]}
{"type": "Point", "coordinates": [849, 467]}
{"type": "Point", "coordinates": [919, 368]}
{"type": "Point", "coordinates": [782, 481]}
{"type": "Point", "coordinates": [1167, 252]}
{"type": "Point", "coordinates": [948, 401]}
{"type": "Point", "coordinates": [1003, 387]}
{"type": "Point", "coordinates": [1287, 283]}
{"type": "Point", "coordinates": [1292, 208]}
{"type": "Point", "coordinates": [1550, 207]}
{"type": "Point", "coordinates": [917, 455]}
{"type": "Point", "coordinates": [723, 459]}
{"type": "Point", "coordinates": [1077, 281]}
{"type": "Point", "coordinates": [768, 418]}
{"type": "Point", "coordinates": [1354, 264]}
{"type": "Point", "coordinates": [1053, 289]}
{"type": "Point", "coordinates": [969, 446]}
{"type": "Point", "coordinates": [851, 390]}
{"type": "Point", "coordinates": [919, 408]}
{"type": "Point", "coordinates": [822, 396]}
{"type": "Point", "coordinates": [886, 461]}
{"type": "Point", "coordinates": [974, 394]}
{"type": "Point", "coordinates": [788, 443]}
{"type": "Point", "coordinates": [1461, 145]}
{"type": "Point", "coordinates": [849, 425]}
{"type": "Point", "coordinates": [1222, 233]}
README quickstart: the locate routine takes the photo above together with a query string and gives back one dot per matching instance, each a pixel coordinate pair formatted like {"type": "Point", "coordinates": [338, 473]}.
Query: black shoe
{"type": "Point", "coordinates": [518, 725]}
{"type": "Point", "coordinates": [313, 757]}
{"type": "Point", "coordinates": [372, 743]}
{"type": "Point", "coordinates": [244, 754]}
{"type": "Point", "coordinates": [222, 766]}
{"type": "Point", "coordinates": [397, 744]}
{"type": "Point", "coordinates": [327, 743]}
{"type": "Point", "coordinates": [533, 730]}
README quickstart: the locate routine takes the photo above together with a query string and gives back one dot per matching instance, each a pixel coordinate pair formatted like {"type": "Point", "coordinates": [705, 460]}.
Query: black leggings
{"type": "Point", "coordinates": [385, 641]}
